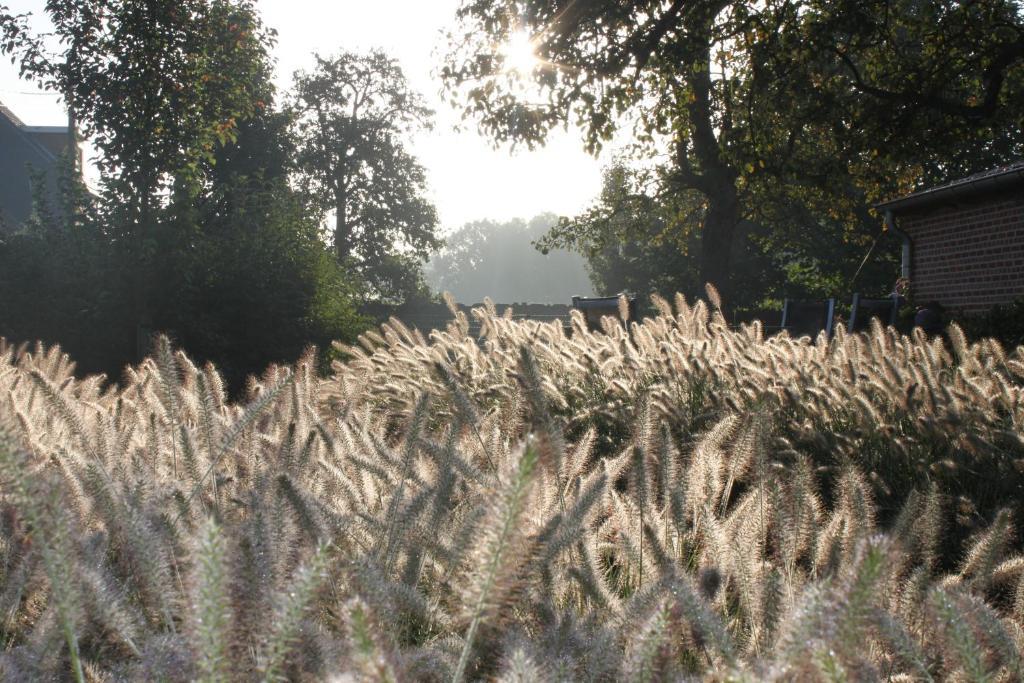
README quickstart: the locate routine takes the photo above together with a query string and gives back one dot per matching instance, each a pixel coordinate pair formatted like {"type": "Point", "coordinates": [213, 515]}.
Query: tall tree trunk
{"type": "Point", "coordinates": [143, 240]}
{"type": "Point", "coordinates": [703, 166]}
{"type": "Point", "coordinates": [342, 230]}
{"type": "Point", "coordinates": [716, 240]}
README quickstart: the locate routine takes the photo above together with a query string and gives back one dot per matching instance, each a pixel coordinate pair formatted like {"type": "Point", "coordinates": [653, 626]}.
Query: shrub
{"type": "Point", "coordinates": [1005, 323]}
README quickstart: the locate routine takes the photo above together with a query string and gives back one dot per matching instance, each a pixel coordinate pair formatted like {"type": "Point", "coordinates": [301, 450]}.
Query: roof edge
{"type": "Point", "coordinates": [970, 186]}
{"type": "Point", "coordinates": [11, 116]}
{"type": "Point", "coordinates": [28, 135]}
{"type": "Point", "coordinates": [45, 129]}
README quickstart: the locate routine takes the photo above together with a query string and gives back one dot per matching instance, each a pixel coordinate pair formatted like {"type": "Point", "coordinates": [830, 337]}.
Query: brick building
{"type": "Point", "coordinates": [964, 241]}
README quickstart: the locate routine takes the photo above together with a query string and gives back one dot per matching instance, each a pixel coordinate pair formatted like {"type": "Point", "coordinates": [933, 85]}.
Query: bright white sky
{"type": "Point", "coordinates": [469, 178]}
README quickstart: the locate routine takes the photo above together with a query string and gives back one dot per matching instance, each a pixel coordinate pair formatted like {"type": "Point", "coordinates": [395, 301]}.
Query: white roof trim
{"type": "Point", "coordinates": [45, 129]}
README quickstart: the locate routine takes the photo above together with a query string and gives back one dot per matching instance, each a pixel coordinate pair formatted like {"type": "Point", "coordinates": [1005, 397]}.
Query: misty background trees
{"type": "Point", "coordinates": [498, 260]}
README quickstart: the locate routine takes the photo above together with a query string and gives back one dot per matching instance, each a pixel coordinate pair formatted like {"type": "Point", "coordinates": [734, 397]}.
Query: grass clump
{"type": "Point", "coordinates": [671, 500]}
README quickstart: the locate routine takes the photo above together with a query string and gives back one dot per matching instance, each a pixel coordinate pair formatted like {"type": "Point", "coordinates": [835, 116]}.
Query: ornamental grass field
{"type": "Point", "coordinates": [668, 500]}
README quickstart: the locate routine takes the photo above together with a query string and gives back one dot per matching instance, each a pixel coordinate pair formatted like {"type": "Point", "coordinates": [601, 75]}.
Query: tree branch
{"type": "Point", "coordinates": [994, 77]}
{"type": "Point", "coordinates": [645, 50]}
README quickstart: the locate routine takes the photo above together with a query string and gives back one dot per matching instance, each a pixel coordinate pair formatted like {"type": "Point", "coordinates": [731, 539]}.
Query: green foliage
{"type": "Point", "coordinates": [640, 237]}
{"type": "Point", "coordinates": [198, 230]}
{"type": "Point", "coordinates": [155, 87]}
{"type": "Point", "coordinates": [229, 260]}
{"type": "Point", "coordinates": [1005, 323]}
{"type": "Point", "coordinates": [243, 279]}
{"type": "Point", "coordinates": [245, 252]}
{"type": "Point", "coordinates": [772, 122]}
{"type": "Point", "coordinates": [64, 280]}
{"type": "Point", "coordinates": [949, 73]}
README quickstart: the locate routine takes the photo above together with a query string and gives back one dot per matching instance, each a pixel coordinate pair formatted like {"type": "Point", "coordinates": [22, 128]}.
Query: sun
{"type": "Point", "coordinates": [519, 53]}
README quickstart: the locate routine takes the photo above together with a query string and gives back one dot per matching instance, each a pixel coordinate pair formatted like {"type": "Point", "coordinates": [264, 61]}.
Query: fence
{"type": "Point", "coordinates": [431, 316]}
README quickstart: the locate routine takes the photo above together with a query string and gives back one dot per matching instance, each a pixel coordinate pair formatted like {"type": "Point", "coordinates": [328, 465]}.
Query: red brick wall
{"type": "Point", "coordinates": [968, 257]}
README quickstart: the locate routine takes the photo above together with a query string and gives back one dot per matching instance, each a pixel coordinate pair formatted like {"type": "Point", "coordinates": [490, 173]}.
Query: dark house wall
{"type": "Point", "coordinates": [20, 152]}
{"type": "Point", "coordinates": [968, 256]}
{"type": "Point", "coordinates": [53, 138]}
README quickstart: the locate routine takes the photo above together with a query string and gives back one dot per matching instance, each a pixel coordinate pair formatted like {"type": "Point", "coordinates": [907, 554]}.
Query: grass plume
{"type": "Point", "coordinates": [670, 499]}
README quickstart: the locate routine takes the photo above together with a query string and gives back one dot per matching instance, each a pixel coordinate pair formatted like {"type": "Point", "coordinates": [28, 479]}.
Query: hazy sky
{"type": "Point", "coordinates": [468, 177]}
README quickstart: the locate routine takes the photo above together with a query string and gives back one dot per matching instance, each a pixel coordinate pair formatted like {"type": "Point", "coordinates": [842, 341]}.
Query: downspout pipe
{"type": "Point", "coordinates": [890, 224]}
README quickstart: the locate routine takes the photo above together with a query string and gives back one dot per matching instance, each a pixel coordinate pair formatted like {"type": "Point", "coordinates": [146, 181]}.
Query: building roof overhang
{"type": "Point", "coordinates": [9, 115]}
{"type": "Point", "coordinates": [1003, 177]}
{"type": "Point", "coordinates": [29, 133]}
{"type": "Point", "coordinates": [63, 130]}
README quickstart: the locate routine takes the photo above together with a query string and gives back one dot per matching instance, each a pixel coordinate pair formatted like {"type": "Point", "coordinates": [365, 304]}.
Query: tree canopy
{"type": "Point", "coordinates": [353, 115]}
{"type": "Point", "coordinates": [198, 230]}
{"type": "Point", "coordinates": [839, 102]}
{"type": "Point", "coordinates": [155, 86]}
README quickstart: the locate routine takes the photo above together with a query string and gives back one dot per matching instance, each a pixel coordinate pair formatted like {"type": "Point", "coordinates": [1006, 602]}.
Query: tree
{"type": "Point", "coordinates": [156, 87]}
{"type": "Point", "coordinates": [245, 279]}
{"type": "Point", "coordinates": [637, 237]}
{"type": "Point", "coordinates": [734, 92]}
{"type": "Point", "coordinates": [354, 114]}
{"type": "Point", "coordinates": [201, 179]}
{"type": "Point", "coordinates": [63, 282]}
